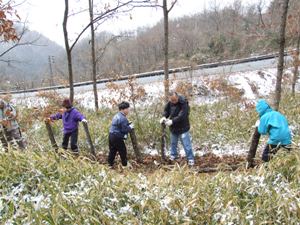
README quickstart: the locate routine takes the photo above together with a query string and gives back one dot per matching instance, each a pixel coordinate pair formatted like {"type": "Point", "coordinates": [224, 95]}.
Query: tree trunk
{"type": "Point", "coordinates": [280, 65]}
{"type": "Point", "coordinates": [166, 49]}
{"type": "Point", "coordinates": [296, 66]}
{"type": "Point", "coordinates": [68, 50]}
{"type": "Point", "coordinates": [94, 76]}
{"type": "Point", "coordinates": [135, 146]}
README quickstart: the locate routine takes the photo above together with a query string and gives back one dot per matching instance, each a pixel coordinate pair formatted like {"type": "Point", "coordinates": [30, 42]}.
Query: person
{"type": "Point", "coordinates": [119, 129]}
{"type": "Point", "coordinates": [275, 125]}
{"type": "Point", "coordinates": [176, 116]}
{"type": "Point", "coordinates": [10, 126]}
{"type": "Point", "coordinates": [70, 117]}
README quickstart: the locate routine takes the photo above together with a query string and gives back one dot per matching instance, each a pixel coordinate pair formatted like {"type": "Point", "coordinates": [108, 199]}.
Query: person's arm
{"type": "Point", "coordinates": [182, 114]}
{"type": "Point", "coordinates": [263, 127]}
{"type": "Point", "coordinates": [11, 114]}
{"type": "Point", "coordinates": [79, 116]}
{"type": "Point", "coordinates": [166, 112]}
{"type": "Point", "coordinates": [56, 116]}
{"type": "Point", "coordinates": [124, 124]}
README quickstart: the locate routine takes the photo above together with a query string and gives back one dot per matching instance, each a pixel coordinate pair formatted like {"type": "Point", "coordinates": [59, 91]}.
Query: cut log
{"type": "Point", "coordinates": [89, 139]}
{"type": "Point", "coordinates": [51, 136]}
{"type": "Point", "coordinates": [253, 148]}
{"type": "Point", "coordinates": [163, 142]}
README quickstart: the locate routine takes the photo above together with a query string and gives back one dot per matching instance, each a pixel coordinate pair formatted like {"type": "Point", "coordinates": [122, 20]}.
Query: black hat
{"type": "Point", "coordinates": [123, 105]}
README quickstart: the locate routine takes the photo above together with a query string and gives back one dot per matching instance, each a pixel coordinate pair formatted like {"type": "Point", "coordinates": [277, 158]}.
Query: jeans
{"type": "Point", "coordinates": [74, 138]}
{"type": "Point", "coordinates": [117, 144]}
{"type": "Point", "coordinates": [185, 140]}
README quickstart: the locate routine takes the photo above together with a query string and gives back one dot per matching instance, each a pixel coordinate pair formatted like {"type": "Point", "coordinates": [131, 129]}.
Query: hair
{"type": "Point", "coordinates": [67, 103]}
{"type": "Point", "coordinates": [172, 93]}
{"type": "Point", "coordinates": [123, 105]}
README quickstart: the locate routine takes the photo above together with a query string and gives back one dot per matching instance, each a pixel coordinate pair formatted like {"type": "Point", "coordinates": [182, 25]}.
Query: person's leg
{"type": "Point", "coordinates": [174, 144]}
{"type": "Point", "coordinates": [185, 139]}
{"type": "Point", "coordinates": [74, 139]}
{"type": "Point", "coordinates": [9, 137]}
{"type": "Point", "coordinates": [3, 141]}
{"type": "Point", "coordinates": [266, 153]}
{"type": "Point", "coordinates": [16, 134]}
{"type": "Point", "coordinates": [65, 142]}
{"type": "Point", "coordinates": [112, 150]}
{"type": "Point", "coordinates": [122, 151]}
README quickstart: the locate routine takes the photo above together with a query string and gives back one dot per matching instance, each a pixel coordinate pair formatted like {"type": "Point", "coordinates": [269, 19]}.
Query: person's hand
{"type": "Point", "coordinates": [131, 126]}
{"type": "Point", "coordinates": [162, 120]}
{"type": "Point", "coordinates": [48, 120]}
{"type": "Point", "coordinates": [257, 123]}
{"type": "Point", "coordinates": [84, 121]}
{"type": "Point", "coordinates": [169, 122]}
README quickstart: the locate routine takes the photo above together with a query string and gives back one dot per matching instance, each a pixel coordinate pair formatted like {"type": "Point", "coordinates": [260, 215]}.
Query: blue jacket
{"type": "Point", "coordinates": [120, 125]}
{"type": "Point", "coordinates": [274, 124]}
{"type": "Point", "coordinates": [70, 119]}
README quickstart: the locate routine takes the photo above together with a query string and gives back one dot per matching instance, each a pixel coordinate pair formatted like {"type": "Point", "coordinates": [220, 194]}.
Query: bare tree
{"type": "Point", "coordinates": [280, 66]}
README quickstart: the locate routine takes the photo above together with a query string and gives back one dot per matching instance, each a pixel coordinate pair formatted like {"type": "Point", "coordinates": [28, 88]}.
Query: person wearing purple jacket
{"type": "Point", "coordinates": [70, 119]}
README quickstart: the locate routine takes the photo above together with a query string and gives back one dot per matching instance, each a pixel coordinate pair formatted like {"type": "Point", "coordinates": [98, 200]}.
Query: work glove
{"type": "Point", "coordinates": [162, 120]}
{"type": "Point", "coordinates": [131, 126]}
{"type": "Point", "coordinates": [257, 123]}
{"type": "Point", "coordinates": [169, 122]}
{"type": "Point", "coordinates": [48, 120]}
{"type": "Point", "coordinates": [84, 121]}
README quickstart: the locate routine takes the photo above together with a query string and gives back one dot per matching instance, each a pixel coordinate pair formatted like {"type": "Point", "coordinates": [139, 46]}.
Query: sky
{"type": "Point", "coordinates": [46, 16]}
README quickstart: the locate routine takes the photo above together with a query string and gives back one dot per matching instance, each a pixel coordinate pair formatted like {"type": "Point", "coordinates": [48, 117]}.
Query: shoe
{"type": "Point", "coordinates": [172, 158]}
{"type": "Point", "coordinates": [191, 162]}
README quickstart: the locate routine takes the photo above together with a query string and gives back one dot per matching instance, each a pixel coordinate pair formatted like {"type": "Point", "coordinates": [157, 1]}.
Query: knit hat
{"type": "Point", "coordinates": [66, 103]}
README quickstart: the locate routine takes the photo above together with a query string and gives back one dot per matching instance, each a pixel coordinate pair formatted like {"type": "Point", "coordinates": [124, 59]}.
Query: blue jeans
{"type": "Point", "coordinates": [185, 140]}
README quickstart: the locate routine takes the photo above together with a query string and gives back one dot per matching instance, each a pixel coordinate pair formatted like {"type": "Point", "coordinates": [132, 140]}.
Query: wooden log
{"type": "Point", "coordinates": [89, 139]}
{"type": "Point", "coordinates": [135, 146]}
{"type": "Point", "coordinates": [163, 141]}
{"type": "Point", "coordinates": [51, 135]}
{"type": "Point", "coordinates": [253, 148]}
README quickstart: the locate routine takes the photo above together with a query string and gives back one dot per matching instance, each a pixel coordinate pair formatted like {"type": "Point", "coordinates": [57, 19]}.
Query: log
{"type": "Point", "coordinates": [253, 148]}
{"type": "Point", "coordinates": [163, 141]}
{"type": "Point", "coordinates": [51, 135]}
{"type": "Point", "coordinates": [135, 146]}
{"type": "Point", "coordinates": [89, 139]}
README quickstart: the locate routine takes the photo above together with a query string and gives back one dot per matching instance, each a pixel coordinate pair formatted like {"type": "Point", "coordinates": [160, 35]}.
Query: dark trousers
{"type": "Point", "coordinates": [117, 144]}
{"type": "Point", "coordinates": [74, 137]}
{"type": "Point", "coordinates": [271, 150]}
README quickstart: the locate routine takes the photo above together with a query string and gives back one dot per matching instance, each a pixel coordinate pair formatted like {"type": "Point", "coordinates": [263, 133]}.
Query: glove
{"type": "Point", "coordinates": [131, 126]}
{"type": "Point", "coordinates": [257, 123]}
{"type": "Point", "coordinates": [162, 120]}
{"type": "Point", "coordinates": [48, 120]}
{"type": "Point", "coordinates": [84, 121]}
{"type": "Point", "coordinates": [169, 122]}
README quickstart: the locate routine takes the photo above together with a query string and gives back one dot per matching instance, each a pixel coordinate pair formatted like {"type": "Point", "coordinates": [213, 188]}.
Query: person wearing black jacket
{"type": "Point", "coordinates": [176, 116]}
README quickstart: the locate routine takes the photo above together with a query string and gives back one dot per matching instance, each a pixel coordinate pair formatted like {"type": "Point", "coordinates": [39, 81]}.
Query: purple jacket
{"type": "Point", "coordinates": [70, 119]}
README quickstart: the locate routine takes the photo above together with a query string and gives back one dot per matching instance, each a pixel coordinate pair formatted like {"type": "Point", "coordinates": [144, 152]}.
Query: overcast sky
{"type": "Point", "coordinates": [45, 16]}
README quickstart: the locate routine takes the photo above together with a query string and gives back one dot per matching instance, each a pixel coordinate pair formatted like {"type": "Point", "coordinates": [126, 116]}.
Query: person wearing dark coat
{"type": "Point", "coordinates": [176, 116]}
{"type": "Point", "coordinates": [119, 129]}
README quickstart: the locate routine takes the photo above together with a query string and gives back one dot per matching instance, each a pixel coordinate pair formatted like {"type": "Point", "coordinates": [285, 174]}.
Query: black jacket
{"type": "Point", "coordinates": [179, 114]}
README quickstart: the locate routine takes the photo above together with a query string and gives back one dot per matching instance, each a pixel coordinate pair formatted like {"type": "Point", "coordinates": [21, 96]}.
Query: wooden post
{"type": "Point", "coordinates": [51, 136]}
{"type": "Point", "coordinates": [135, 146]}
{"type": "Point", "coordinates": [253, 148]}
{"type": "Point", "coordinates": [163, 141]}
{"type": "Point", "coordinates": [89, 139]}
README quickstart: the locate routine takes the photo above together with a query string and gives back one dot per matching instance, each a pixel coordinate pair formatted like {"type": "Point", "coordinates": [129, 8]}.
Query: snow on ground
{"type": "Point", "coordinates": [253, 84]}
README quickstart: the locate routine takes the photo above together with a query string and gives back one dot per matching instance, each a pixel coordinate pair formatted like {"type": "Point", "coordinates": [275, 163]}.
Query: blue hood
{"type": "Point", "coordinates": [262, 107]}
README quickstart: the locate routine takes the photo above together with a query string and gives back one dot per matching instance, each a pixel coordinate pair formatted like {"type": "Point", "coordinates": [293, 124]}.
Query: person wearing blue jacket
{"type": "Point", "coordinates": [70, 117]}
{"type": "Point", "coordinates": [119, 129]}
{"type": "Point", "coordinates": [275, 125]}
